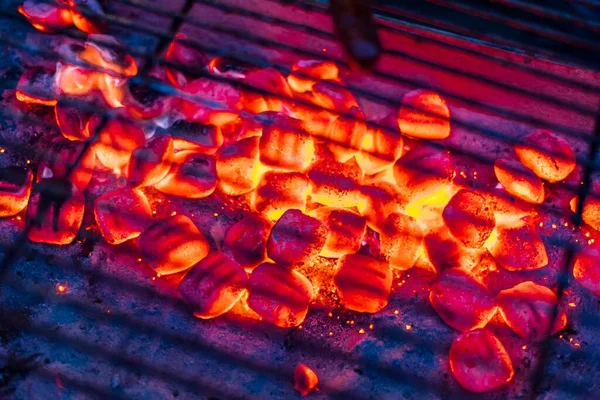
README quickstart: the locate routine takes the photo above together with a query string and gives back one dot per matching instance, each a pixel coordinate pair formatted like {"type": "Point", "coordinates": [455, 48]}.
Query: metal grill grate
{"type": "Point", "coordinates": [576, 95]}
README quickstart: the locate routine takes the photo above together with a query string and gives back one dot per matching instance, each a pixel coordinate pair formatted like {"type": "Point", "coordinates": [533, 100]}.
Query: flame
{"type": "Point", "coordinates": [429, 208]}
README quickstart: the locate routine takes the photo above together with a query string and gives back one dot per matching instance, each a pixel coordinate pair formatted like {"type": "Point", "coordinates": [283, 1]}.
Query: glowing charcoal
{"type": "Point", "coordinates": [173, 245]}
{"type": "Point", "coordinates": [37, 86]}
{"type": "Point", "coordinates": [335, 184]}
{"type": "Point", "coordinates": [332, 97]}
{"type": "Point", "coordinates": [401, 237]}
{"type": "Point", "coordinates": [469, 218]}
{"type": "Point", "coordinates": [461, 301]}
{"type": "Point", "coordinates": [213, 285]}
{"type": "Point", "coordinates": [305, 380]}
{"type": "Point", "coordinates": [315, 121]}
{"type": "Point", "coordinates": [238, 166]}
{"type": "Point", "coordinates": [302, 72]}
{"type": "Point", "coordinates": [240, 129]}
{"type": "Point", "coordinates": [229, 67]}
{"type": "Point", "coordinates": [296, 238]}
{"type": "Point", "coordinates": [61, 156]}
{"type": "Point", "coordinates": [104, 51]}
{"type": "Point", "coordinates": [506, 210]}
{"type": "Point", "coordinates": [15, 188]}
{"type": "Point", "coordinates": [519, 181]}
{"type": "Point", "coordinates": [345, 231]}
{"type": "Point", "coordinates": [122, 214]}
{"type": "Point", "coordinates": [346, 134]}
{"type": "Point", "coordinates": [284, 144]}
{"type": "Point", "coordinates": [423, 171]}
{"type": "Point", "coordinates": [445, 251]}
{"type": "Point", "coordinates": [78, 81]}
{"type": "Point", "coordinates": [144, 102]}
{"type": "Point", "coordinates": [518, 247]}
{"type": "Point", "coordinates": [586, 268]}
{"type": "Point", "coordinates": [90, 19]}
{"type": "Point", "coordinates": [116, 141]}
{"type": "Point", "coordinates": [591, 210]}
{"type": "Point", "coordinates": [46, 17]}
{"type": "Point", "coordinates": [269, 80]}
{"type": "Point", "coordinates": [424, 115]}
{"type": "Point", "coordinates": [549, 156]}
{"type": "Point", "coordinates": [186, 58]}
{"type": "Point", "coordinates": [150, 163]}
{"type": "Point", "coordinates": [192, 176]}
{"type": "Point", "coordinates": [528, 309]}
{"type": "Point", "coordinates": [380, 147]}
{"type": "Point", "coordinates": [278, 192]}
{"type": "Point", "coordinates": [378, 200]}
{"type": "Point", "coordinates": [363, 283]}
{"type": "Point", "coordinates": [279, 295]}
{"type": "Point", "coordinates": [196, 136]}
{"type": "Point", "coordinates": [60, 211]}
{"type": "Point", "coordinates": [246, 241]}
{"type": "Point", "coordinates": [210, 102]}
{"type": "Point", "coordinates": [479, 361]}
{"type": "Point", "coordinates": [72, 122]}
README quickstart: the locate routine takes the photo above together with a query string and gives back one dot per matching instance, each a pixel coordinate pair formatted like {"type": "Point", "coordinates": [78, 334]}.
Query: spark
{"type": "Point", "coordinates": [408, 327]}
{"type": "Point", "coordinates": [572, 304]}
{"type": "Point", "coordinates": [61, 288]}
{"type": "Point", "coordinates": [361, 331]}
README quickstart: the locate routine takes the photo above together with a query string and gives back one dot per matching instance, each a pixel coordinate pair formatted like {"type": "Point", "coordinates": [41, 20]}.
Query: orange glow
{"type": "Point", "coordinates": [479, 361]}
{"type": "Point", "coordinates": [591, 210]}
{"type": "Point", "coordinates": [423, 171]}
{"type": "Point", "coordinates": [246, 241]}
{"type": "Point", "coordinates": [518, 247]}
{"type": "Point", "coordinates": [445, 251]}
{"type": "Point", "coordinates": [36, 86]}
{"type": "Point", "coordinates": [378, 200]}
{"type": "Point", "coordinates": [122, 214]}
{"type": "Point", "coordinates": [278, 192]}
{"type": "Point", "coordinates": [333, 98]}
{"type": "Point", "coordinates": [57, 160]}
{"type": "Point", "coordinates": [363, 283]}
{"type": "Point", "coordinates": [25, 98]}
{"type": "Point", "coordinates": [519, 181]}
{"type": "Point", "coordinates": [212, 102]}
{"type": "Point", "coordinates": [547, 155]}
{"type": "Point", "coordinates": [401, 239]}
{"type": "Point", "coordinates": [238, 167]}
{"type": "Point", "coordinates": [469, 218]}
{"type": "Point", "coordinates": [346, 135]}
{"type": "Point", "coordinates": [586, 268]}
{"type": "Point", "coordinates": [305, 379]}
{"type": "Point", "coordinates": [61, 288]}
{"type": "Point", "coordinates": [84, 23]}
{"type": "Point", "coordinates": [46, 17]}
{"type": "Point", "coordinates": [296, 238]}
{"type": "Point", "coordinates": [72, 122]}
{"type": "Point", "coordinates": [320, 70]}
{"type": "Point", "coordinates": [270, 80]}
{"type": "Point", "coordinates": [424, 115]}
{"type": "Point", "coordinates": [116, 141]}
{"type": "Point", "coordinates": [284, 144]}
{"type": "Point", "coordinates": [15, 189]}
{"type": "Point", "coordinates": [57, 227]}
{"type": "Point", "coordinates": [345, 231]}
{"type": "Point", "coordinates": [213, 285]}
{"type": "Point", "coordinates": [173, 245]}
{"type": "Point", "coordinates": [151, 163]}
{"type": "Point", "coordinates": [279, 295]}
{"type": "Point", "coordinates": [180, 53]}
{"type": "Point", "coordinates": [528, 309]}
{"type": "Point", "coordinates": [462, 302]}
{"type": "Point", "coordinates": [77, 81]}
{"type": "Point", "coordinates": [205, 139]}
{"type": "Point", "coordinates": [336, 184]}
{"type": "Point", "coordinates": [381, 147]}
{"type": "Point", "coordinates": [109, 58]}
{"type": "Point", "coordinates": [192, 176]}
{"type": "Point", "coordinates": [430, 207]}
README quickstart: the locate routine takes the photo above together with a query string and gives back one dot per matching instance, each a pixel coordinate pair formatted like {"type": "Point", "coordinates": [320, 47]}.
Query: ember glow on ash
{"type": "Point", "coordinates": [321, 186]}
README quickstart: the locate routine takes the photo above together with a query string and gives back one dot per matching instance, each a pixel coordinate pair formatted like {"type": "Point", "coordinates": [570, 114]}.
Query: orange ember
{"type": "Point", "coordinates": [518, 247]}
{"type": "Point", "coordinates": [363, 283]}
{"type": "Point", "coordinates": [173, 245]}
{"type": "Point", "coordinates": [547, 155]}
{"type": "Point", "coordinates": [192, 175]}
{"type": "Point", "coordinates": [186, 55]}
{"type": "Point", "coordinates": [519, 181]}
{"type": "Point", "coordinates": [278, 192]}
{"type": "Point", "coordinates": [150, 164]}
{"type": "Point", "coordinates": [238, 166]}
{"type": "Point", "coordinates": [213, 285]}
{"type": "Point", "coordinates": [302, 72]}
{"type": "Point", "coordinates": [401, 238]}
{"type": "Point", "coordinates": [210, 102]}
{"type": "Point", "coordinates": [345, 134]}
{"type": "Point", "coordinates": [122, 214]}
{"type": "Point", "coordinates": [246, 241]}
{"type": "Point", "coordinates": [15, 188]}
{"type": "Point", "coordinates": [586, 268]}
{"type": "Point", "coordinates": [461, 301]}
{"type": "Point", "coordinates": [270, 80]}
{"type": "Point", "coordinates": [305, 379]}
{"type": "Point", "coordinates": [46, 17]}
{"type": "Point", "coordinates": [469, 218]}
{"type": "Point", "coordinates": [380, 147]}
{"type": "Point", "coordinates": [56, 162]}
{"type": "Point", "coordinates": [528, 309]}
{"type": "Point", "coordinates": [479, 362]}
{"type": "Point", "coordinates": [345, 228]}
{"type": "Point", "coordinates": [279, 295]}
{"type": "Point", "coordinates": [424, 115]}
{"type": "Point", "coordinates": [36, 86]}
{"type": "Point", "coordinates": [335, 184]}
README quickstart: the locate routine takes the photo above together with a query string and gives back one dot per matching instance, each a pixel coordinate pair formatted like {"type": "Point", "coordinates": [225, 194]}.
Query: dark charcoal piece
{"type": "Point", "coordinates": [195, 132]}
{"type": "Point", "coordinates": [12, 179]}
{"type": "Point", "coordinates": [357, 30]}
{"type": "Point", "coordinates": [228, 65]}
{"type": "Point", "coordinates": [144, 94]}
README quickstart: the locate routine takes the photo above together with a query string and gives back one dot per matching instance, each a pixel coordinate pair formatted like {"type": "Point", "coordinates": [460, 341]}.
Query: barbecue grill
{"type": "Point", "coordinates": [92, 297]}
